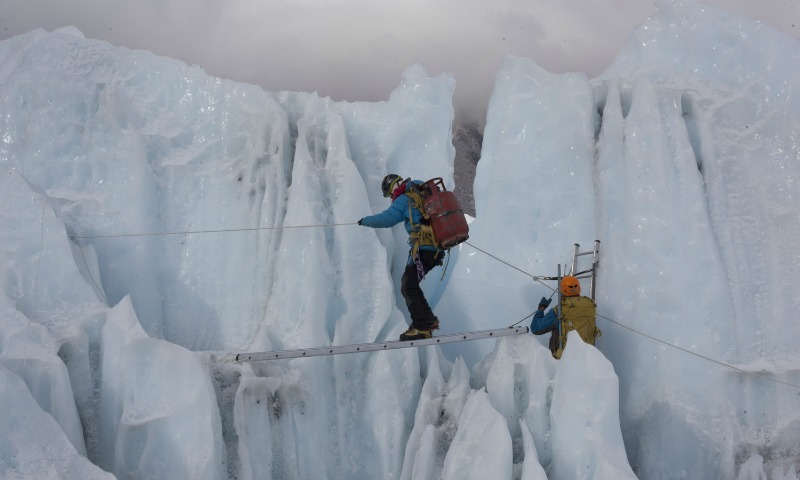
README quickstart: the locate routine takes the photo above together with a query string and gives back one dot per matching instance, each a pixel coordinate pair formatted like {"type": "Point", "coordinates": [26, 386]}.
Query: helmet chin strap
{"type": "Point", "coordinates": [394, 185]}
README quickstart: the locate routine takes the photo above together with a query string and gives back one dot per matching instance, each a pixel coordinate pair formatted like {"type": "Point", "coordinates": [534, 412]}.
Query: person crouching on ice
{"type": "Point", "coordinates": [575, 313]}
{"type": "Point", "coordinates": [423, 256]}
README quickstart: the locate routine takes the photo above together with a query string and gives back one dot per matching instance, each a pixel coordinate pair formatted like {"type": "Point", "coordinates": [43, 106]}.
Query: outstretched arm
{"type": "Point", "coordinates": [543, 323]}
{"type": "Point", "coordinates": [389, 217]}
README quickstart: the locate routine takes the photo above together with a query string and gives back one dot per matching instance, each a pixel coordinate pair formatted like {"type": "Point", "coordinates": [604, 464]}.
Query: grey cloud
{"type": "Point", "coordinates": [357, 49]}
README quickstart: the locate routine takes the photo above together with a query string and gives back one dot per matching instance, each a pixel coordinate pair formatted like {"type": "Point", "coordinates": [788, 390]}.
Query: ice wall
{"type": "Point", "coordinates": [728, 110]}
{"type": "Point", "coordinates": [209, 217]}
{"type": "Point", "coordinates": [521, 414]}
{"type": "Point", "coordinates": [33, 444]}
{"type": "Point", "coordinates": [533, 193]}
{"type": "Point", "coordinates": [40, 344]}
{"type": "Point", "coordinates": [685, 167]}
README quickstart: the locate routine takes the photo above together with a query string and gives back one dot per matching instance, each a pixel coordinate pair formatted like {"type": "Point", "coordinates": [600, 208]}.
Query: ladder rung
{"type": "Point", "coordinates": [372, 347]}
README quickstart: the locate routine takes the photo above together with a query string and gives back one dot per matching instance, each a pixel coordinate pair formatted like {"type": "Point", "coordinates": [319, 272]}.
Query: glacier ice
{"type": "Point", "coordinates": [156, 220]}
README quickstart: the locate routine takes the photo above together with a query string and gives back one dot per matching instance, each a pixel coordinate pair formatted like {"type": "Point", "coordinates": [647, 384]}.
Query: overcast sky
{"type": "Point", "coordinates": [357, 49]}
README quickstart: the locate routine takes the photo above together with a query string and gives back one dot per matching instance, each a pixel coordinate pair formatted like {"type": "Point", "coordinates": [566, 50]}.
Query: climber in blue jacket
{"type": "Point", "coordinates": [422, 258]}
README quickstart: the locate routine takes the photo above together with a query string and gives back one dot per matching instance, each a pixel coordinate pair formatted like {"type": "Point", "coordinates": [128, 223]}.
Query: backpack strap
{"type": "Point", "coordinates": [555, 344]}
{"type": "Point", "coordinates": [580, 303]}
{"type": "Point", "coordinates": [422, 232]}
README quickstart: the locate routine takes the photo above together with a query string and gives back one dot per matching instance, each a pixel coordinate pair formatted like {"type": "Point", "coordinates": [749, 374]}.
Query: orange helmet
{"type": "Point", "coordinates": [570, 286]}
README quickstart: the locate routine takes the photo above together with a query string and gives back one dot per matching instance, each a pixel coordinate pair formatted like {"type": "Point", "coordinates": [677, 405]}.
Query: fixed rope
{"type": "Point", "coordinates": [704, 357]}
{"type": "Point", "coordinates": [193, 232]}
{"type": "Point", "coordinates": [35, 285]}
{"type": "Point", "coordinates": [663, 342]}
{"type": "Point", "coordinates": [539, 279]}
{"type": "Point", "coordinates": [534, 277]}
{"type": "Point", "coordinates": [89, 272]}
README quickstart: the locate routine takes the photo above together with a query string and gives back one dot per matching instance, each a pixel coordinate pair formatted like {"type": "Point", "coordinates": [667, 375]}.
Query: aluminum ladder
{"type": "Point", "coordinates": [380, 346]}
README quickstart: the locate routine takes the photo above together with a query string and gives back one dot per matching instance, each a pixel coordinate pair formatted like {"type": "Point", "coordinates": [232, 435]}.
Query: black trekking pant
{"type": "Point", "coordinates": [422, 316]}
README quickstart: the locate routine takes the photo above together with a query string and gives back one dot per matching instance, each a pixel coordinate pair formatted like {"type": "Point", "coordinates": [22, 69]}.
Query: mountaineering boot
{"type": "Point", "coordinates": [414, 333]}
{"type": "Point", "coordinates": [434, 324]}
{"type": "Point", "coordinates": [431, 324]}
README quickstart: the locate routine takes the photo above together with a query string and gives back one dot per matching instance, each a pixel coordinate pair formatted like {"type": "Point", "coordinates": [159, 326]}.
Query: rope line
{"type": "Point", "coordinates": [35, 284]}
{"type": "Point", "coordinates": [720, 363]}
{"type": "Point", "coordinates": [704, 357]}
{"type": "Point", "coordinates": [89, 272]}
{"type": "Point", "coordinates": [192, 232]}
{"type": "Point", "coordinates": [499, 259]}
{"type": "Point", "coordinates": [723, 364]}
{"type": "Point", "coordinates": [522, 320]}
{"type": "Point", "coordinates": [534, 277]}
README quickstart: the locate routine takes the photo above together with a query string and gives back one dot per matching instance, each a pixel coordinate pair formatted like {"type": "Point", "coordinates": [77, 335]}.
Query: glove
{"type": "Point", "coordinates": [360, 221]}
{"type": "Point", "coordinates": [544, 302]}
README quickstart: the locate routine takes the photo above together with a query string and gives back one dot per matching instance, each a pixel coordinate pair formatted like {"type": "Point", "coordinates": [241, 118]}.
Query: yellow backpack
{"type": "Point", "coordinates": [576, 313]}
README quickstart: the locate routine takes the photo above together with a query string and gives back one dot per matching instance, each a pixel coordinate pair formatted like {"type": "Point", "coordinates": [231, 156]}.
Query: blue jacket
{"type": "Point", "coordinates": [542, 323]}
{"type": "Point", "coordinates": [398, 212]}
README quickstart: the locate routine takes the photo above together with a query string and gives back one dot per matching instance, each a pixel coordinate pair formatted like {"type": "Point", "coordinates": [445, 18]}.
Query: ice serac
{"type": "Point", "coordinates": [139, 144]}
{"type": "Point", "coordinates": [700, 120]}
{"type": "Point", "coordinates": [421, 446]}
{"type": "Point", "coordinates": [534, 198]}
{"type": "Point", "coordinates": [531, 469]}
{"type": "Point", "coordinates": [33, 445]}
{"type": "Point", "coordinates": [585, 417]}
{"type": "Point", "coordinates": [222, 217]}
{"type": "Point", "coordinates": [660, 223]}
{"type": "Point", "coordinates": [736, 95]}
{"type": "Point", "coordinates": [514, 417]}
{"type": "Point", "coordinates": [41, 294]}
{"type": "Point", "coordinates": [409, 135]}
{"type": "Point", "coordinates": [335, 288]}
{"type": "Point", "coordinates": [688, 178]}
{"type": "Point", "coordinates": [480, 429]}
{"type": "Point", "coordinates": [158, 411]}
{"type": "Point", "coordinates": [556, 412]}
{"type": "Point", "coordinates": [253, 404]}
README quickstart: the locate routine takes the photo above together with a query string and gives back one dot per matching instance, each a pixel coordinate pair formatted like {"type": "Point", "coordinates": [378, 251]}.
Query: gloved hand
{"type": "Point", "coordinates": [359, 221]}
{"type": "Point", "coordinates": [544, 303]}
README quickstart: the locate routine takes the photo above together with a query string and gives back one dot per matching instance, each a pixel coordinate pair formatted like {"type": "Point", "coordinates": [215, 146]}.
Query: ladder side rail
{"type": "Point", "coordinates": [575, 254]}
{"type": "Point", "coordinates": [595, 266]}
{"type": "Point", "coordinates": [379, 346]}
{"type": "Point", "coordinates": [592, 272]}
{"type": "Point", "coordinates": [558, 310]}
